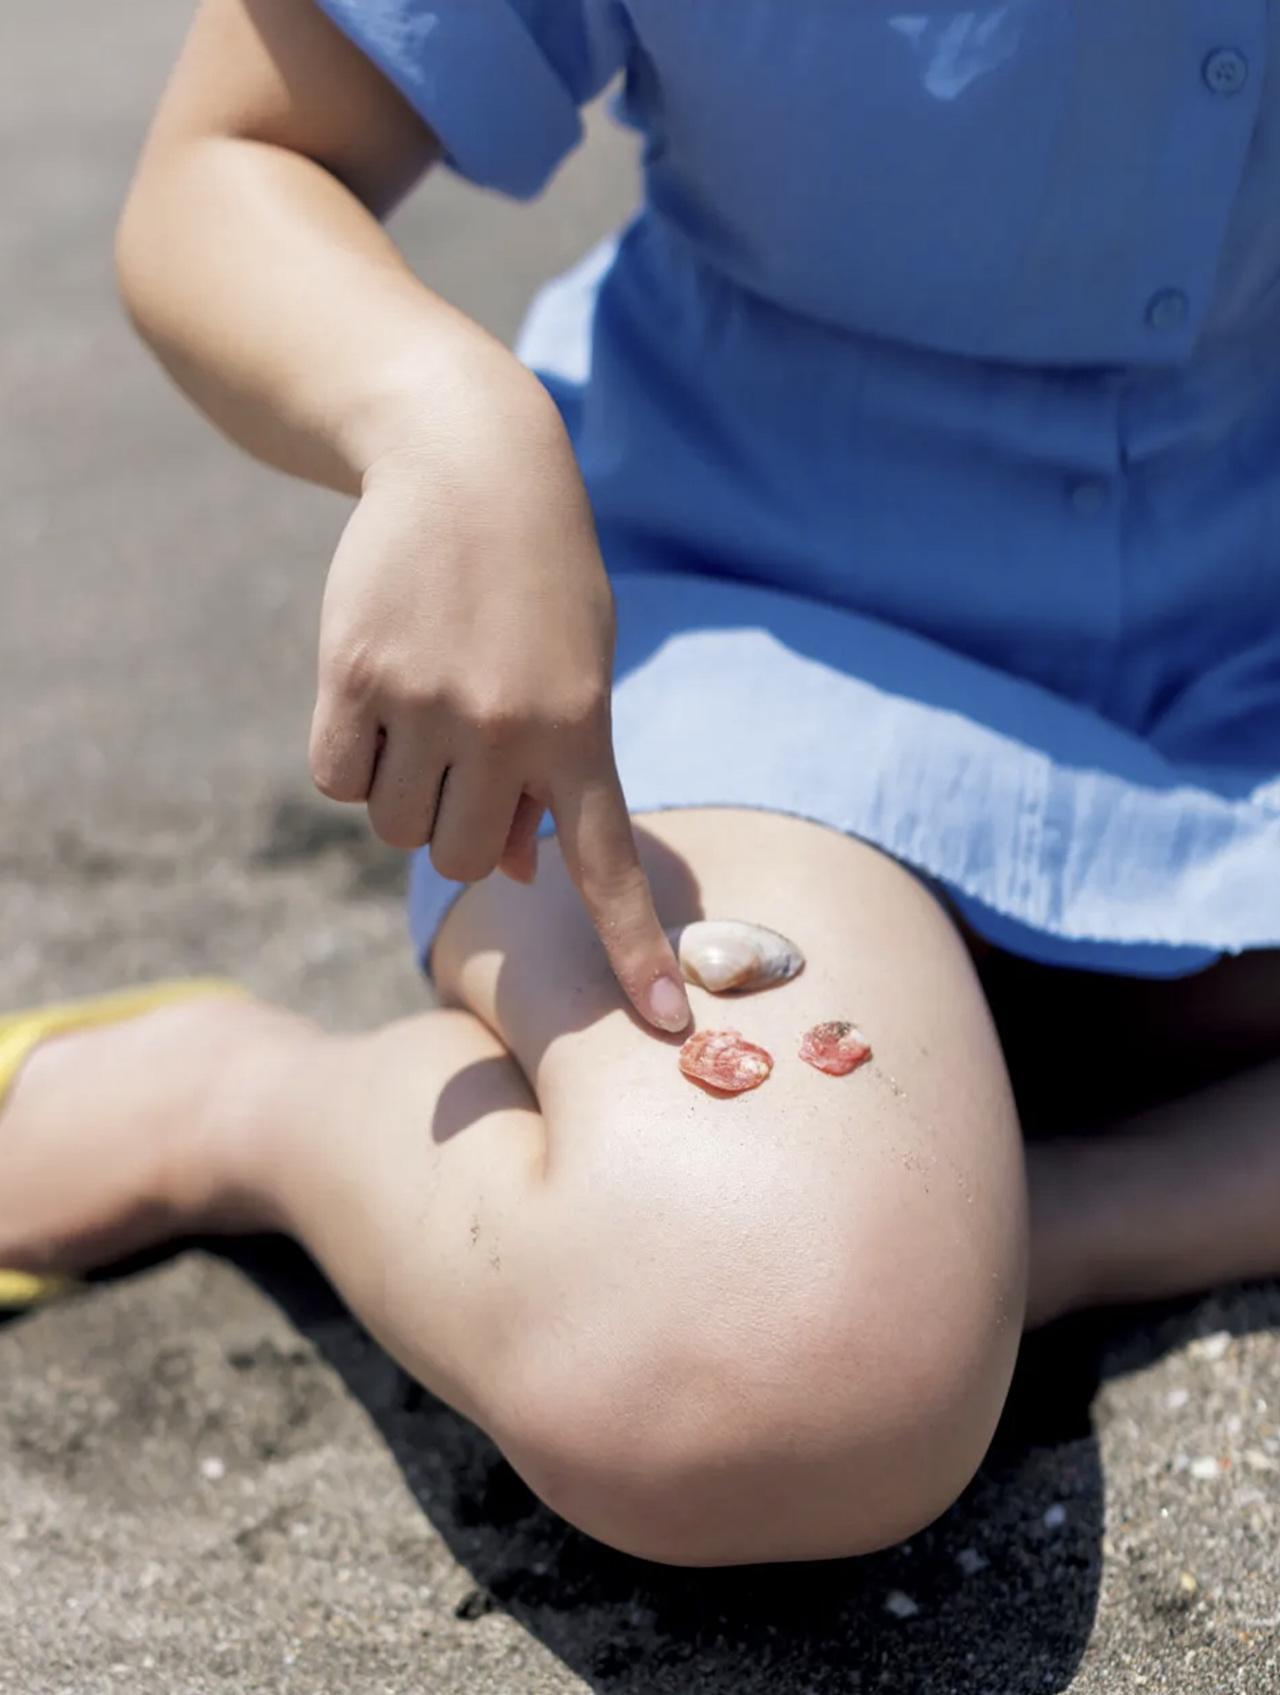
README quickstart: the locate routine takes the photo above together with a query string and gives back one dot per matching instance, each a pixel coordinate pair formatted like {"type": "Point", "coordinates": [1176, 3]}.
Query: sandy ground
{"type": "Point", "coordinates": [209, 1478]}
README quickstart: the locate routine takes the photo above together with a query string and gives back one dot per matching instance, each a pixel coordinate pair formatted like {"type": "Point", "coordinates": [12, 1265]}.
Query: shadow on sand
{"type": "Point", "coordinates": [991, 1597]}
{"type": "Point", "coordinates": [998, 1595]}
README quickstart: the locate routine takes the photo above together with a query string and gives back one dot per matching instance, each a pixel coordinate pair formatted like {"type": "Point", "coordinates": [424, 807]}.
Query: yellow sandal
{"type": "Point", "coordinates": [21, 1032]}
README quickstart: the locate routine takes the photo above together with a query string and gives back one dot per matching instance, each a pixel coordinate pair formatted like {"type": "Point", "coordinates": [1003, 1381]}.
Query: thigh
{"type": "Point", "coordinates": [878, 948]}
{"type": "Point", "coordinates": [881, 1215]}
{"type": "Point", "coordinates": [931, 1117]}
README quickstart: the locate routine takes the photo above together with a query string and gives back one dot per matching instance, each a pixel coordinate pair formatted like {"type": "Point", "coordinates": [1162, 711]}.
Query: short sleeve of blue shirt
{"type": "Point", "coordinates": [499, 81]}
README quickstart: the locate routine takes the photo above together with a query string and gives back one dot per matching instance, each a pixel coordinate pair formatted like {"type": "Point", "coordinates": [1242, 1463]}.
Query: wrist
{"type": "Point", "coordinates": [424, 405]}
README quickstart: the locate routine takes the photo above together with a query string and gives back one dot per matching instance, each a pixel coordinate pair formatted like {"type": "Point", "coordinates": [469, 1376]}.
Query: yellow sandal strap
{"type": "Point", "coordinates": [21, 1289]}
{"type": "Point", "coordinates": [22, 1032]}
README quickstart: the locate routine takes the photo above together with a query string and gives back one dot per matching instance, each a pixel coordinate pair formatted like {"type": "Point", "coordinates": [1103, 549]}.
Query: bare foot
{"type": "Point", "coordinates": [114, 1138]}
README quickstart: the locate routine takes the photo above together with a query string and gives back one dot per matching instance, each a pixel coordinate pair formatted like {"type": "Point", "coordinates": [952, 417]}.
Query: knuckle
{"type": "Point", "coordinates": [399, 815]}
{"type": "Point", "coordinates": [398, 832]}
{"type": "Point", "coordinates": [459, 864]}
{"type": "Point", "coordinates": [495, 739]}
{"type": "Point", "coordinates": [584, 707]}
{"type": "Point", "coordinates": [496, 722]}
{"type": "Point", "coordinates": [410, 688]}
{"type": "Point", "coordinates": [329, 785]}
{"type": "Point", "coordinates": [619, 900]}
{"type": "Point", "coordinates": [349, 672]}
{"type": "Point", "coordinates": [330, 779]}
{"type": "Point", "coordinates": [353, 675]}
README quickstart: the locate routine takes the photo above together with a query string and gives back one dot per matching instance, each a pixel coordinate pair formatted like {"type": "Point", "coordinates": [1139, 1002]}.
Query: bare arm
{"type": "Point", "coordinates": [467, 635]}
{"type": "Point", "coordinates": [251, 258]}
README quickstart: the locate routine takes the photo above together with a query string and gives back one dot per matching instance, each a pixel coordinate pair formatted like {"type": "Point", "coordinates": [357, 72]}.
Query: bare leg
{"type": "Point", "coordinates": [1164, 1176]}
{"type": "Point", "coordinates": [1174, 1200]}
{"type": "Point", "coordinates": [773, 1327]}
{"type": "Point", "coordinates": [115, 1138]}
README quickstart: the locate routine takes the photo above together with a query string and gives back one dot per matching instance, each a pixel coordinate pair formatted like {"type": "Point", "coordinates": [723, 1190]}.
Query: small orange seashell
{"type": "Point", "coordinates": [724, 1059]}
{"type": "Point", "coordinates": [836, 1048]}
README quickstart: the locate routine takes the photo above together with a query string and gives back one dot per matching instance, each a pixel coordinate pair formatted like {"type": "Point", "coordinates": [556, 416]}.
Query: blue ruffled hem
{"type": "Point", "coordinates": [1059, 835]}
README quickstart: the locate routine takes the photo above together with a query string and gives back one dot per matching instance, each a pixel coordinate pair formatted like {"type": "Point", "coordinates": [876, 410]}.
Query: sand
{"type": "Point", "coordinates": [210, 1479]}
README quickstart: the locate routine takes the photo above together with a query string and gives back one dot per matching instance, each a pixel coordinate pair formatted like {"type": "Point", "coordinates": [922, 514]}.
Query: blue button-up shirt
{"type": "Point", "coordinates": [964, 322]}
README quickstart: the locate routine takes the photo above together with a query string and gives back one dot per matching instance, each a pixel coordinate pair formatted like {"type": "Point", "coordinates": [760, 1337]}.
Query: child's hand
{"type": "Point", "coordinates": [466, 657]}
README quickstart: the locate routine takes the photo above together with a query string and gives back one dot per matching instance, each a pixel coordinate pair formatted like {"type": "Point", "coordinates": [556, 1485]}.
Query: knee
{"type": "Point", "coordinates": [723, 1433]}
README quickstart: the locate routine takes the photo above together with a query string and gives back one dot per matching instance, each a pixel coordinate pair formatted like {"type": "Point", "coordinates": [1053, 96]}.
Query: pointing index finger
{"type": "Point", "coordinates": [600, 854]}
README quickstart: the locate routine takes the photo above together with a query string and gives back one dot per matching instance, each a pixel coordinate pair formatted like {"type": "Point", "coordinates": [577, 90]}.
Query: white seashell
{"type": "Point", "coordinates": [720, 954]}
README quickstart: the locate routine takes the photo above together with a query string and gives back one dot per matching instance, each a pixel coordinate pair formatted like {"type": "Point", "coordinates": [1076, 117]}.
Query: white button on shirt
{"type": "Point", "coordinates": [1225, 71]}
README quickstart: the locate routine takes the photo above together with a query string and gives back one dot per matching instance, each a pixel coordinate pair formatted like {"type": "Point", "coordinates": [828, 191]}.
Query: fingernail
{"type": "Point", "coordinates": [668, 1004]}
